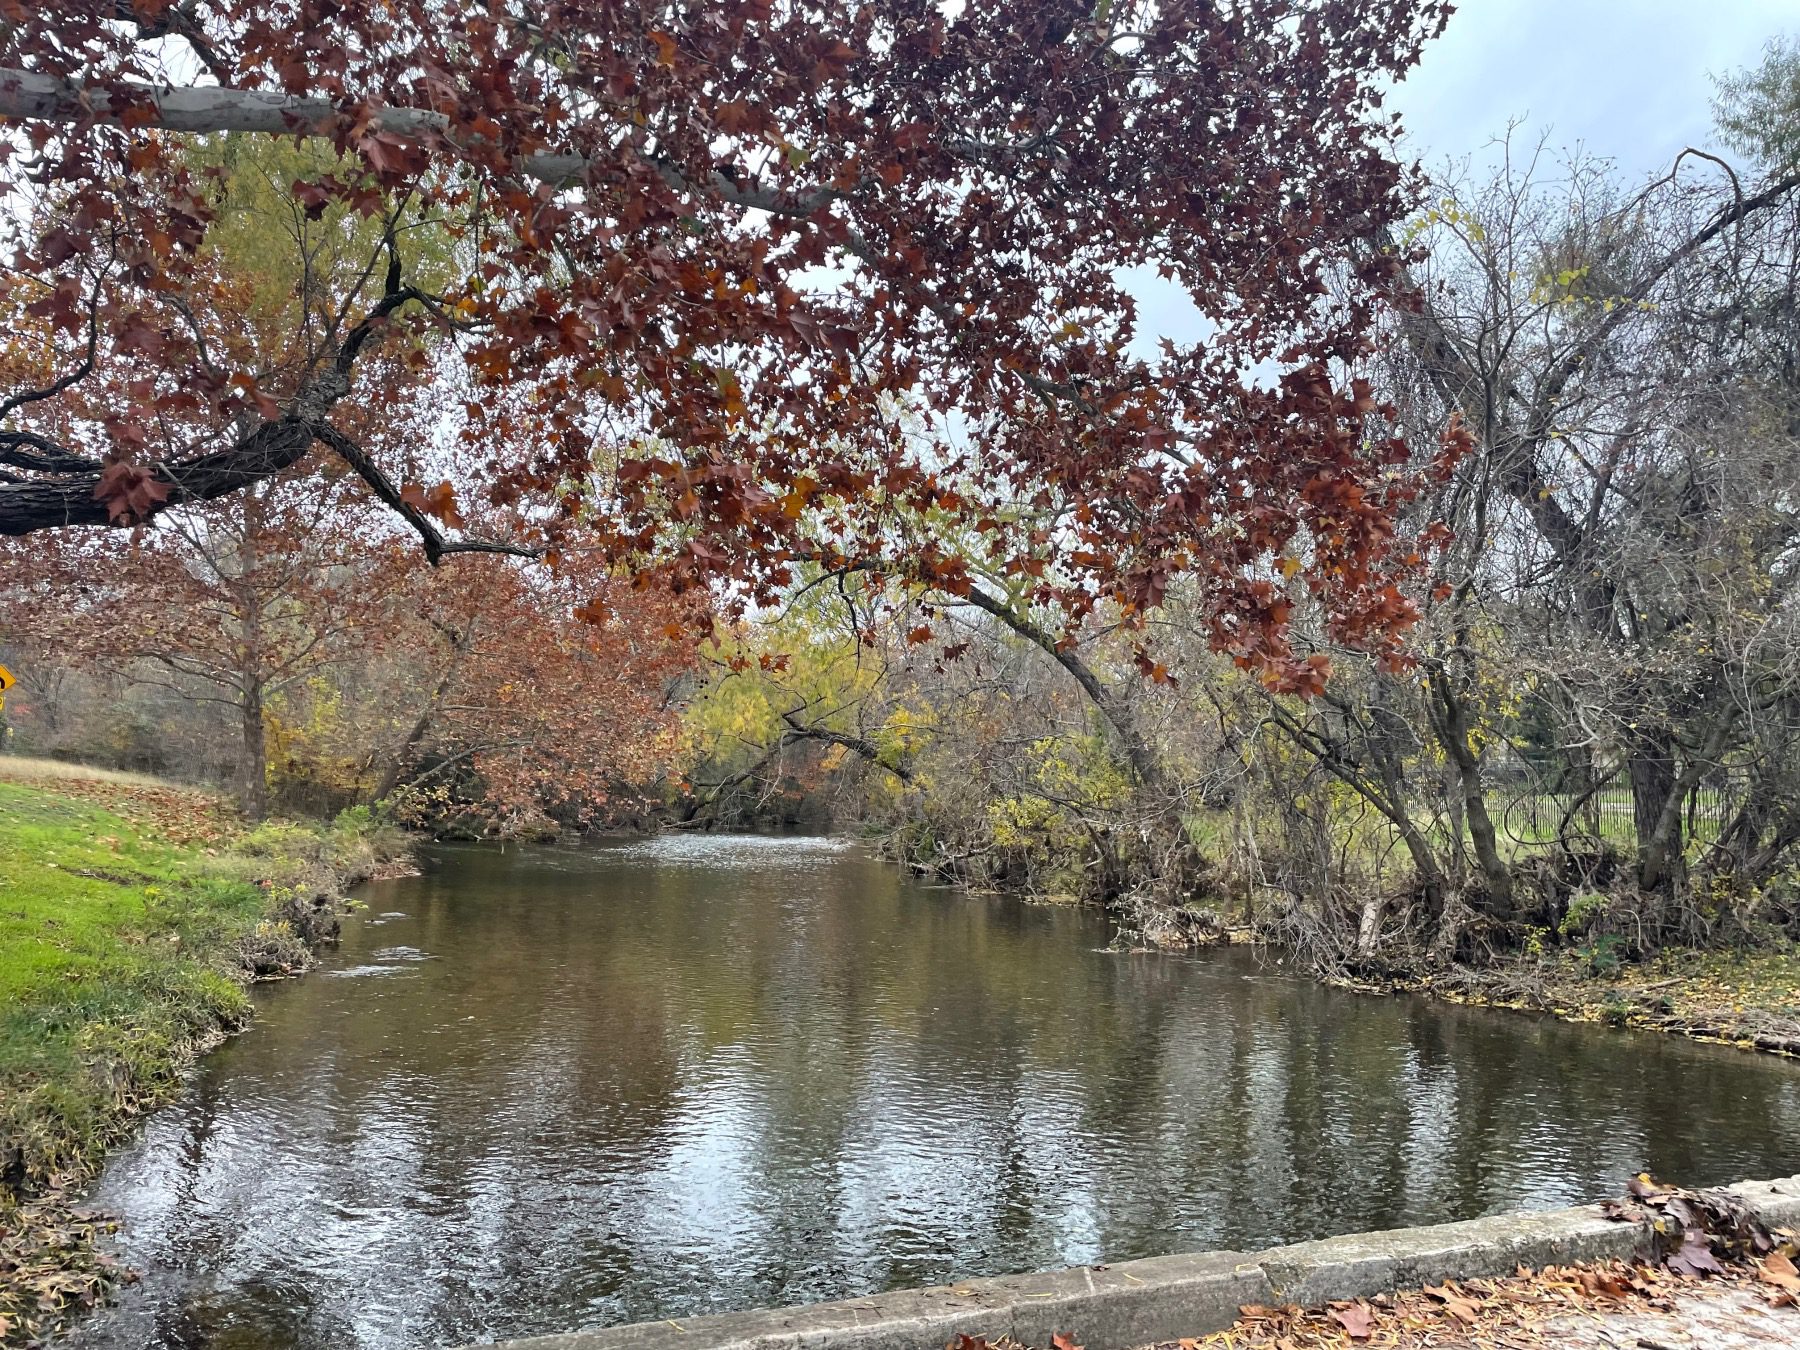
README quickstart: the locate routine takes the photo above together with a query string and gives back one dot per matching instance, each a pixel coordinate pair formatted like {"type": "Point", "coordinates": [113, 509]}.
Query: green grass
{"type": "Point", "coordinates": [132, 914]}
{"type": "Point", "coordinates": [113, 968]}
{"type": "Point", "coordinates": [1526, 826]}
{"type": "Point", "coordinates": [119, 959]}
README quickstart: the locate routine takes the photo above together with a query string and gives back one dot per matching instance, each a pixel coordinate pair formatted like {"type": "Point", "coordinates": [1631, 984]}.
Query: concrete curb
{"type": "Point", "coordinates": [1776, 1203]}
{"type": "Point", "coordinates": [1361, 1264]}
{"type": "Point", "coordinates": [1165, 1298]}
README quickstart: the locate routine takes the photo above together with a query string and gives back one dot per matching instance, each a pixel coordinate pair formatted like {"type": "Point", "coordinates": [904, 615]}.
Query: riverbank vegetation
{"type": "Point", "coordinates": [507, 420]}
{"type": "Point", "coordinates": [1428, 609]}
{"type": "Point", "coordinates": [133, 914]}
{"type": "Point", "coordinates": [1577, 786]}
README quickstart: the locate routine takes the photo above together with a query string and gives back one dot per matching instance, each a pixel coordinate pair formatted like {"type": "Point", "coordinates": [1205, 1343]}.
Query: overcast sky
{"type": "Point", "coordinates": [1626, 78]}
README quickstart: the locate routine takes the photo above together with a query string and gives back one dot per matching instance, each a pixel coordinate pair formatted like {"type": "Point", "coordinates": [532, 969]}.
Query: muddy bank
{"type": "Point", "coordinates": [1751, 1002]}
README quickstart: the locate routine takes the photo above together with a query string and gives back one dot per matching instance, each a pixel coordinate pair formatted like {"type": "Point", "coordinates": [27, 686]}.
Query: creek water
{"type": "Point", "coordinates": [544, 1089]}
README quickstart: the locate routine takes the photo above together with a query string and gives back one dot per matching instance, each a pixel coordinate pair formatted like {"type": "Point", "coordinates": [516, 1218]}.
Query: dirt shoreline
{"type": "Point", "coordinates": [1760, 1019]}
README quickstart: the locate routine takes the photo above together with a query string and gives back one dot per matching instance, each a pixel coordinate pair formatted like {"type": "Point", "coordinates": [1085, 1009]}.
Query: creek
{"type": "Point", "coordinates": [539, 1089]}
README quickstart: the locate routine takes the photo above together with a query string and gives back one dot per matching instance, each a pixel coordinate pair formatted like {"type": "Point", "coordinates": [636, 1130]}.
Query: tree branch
{"type": "Point", "coordinates": [866, 748]}
{"type": "Point", "coordinates": [28, 96]}
{"type": "Point", "coordinates": [70, 498]}
{"type": "Point", "coordinates": [436, 545]}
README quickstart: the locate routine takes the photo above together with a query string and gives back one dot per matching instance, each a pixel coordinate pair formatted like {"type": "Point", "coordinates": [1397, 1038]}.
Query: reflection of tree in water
{"type": "Point", "coordinates": [629, 1088]}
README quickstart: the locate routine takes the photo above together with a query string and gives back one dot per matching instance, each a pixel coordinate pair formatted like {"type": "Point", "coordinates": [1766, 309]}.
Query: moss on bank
{"type": "Point", "coordinates": [132, 916]}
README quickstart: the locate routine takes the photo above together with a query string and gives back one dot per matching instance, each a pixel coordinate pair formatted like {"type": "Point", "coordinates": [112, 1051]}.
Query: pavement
{"type": "Point", "coordinates": [1613, 1305]}
{"type": "Point", "coordinates": [1707, 1318]}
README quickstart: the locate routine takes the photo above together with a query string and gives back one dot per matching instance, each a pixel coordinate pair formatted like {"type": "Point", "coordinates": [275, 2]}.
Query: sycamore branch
{"type": "Point", "coordinates": [29, 96]}
{"type": "Point", "coordinates": [199, 109]}
{"type": "Point", "coordinates": [436, 545]}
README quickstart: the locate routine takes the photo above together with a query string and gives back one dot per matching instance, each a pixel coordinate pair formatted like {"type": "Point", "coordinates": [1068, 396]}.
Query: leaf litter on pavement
{"type": "Point", "coordinates": [1717, 1277]}
{"type": "Point", "coordinates": [1531, 1310]}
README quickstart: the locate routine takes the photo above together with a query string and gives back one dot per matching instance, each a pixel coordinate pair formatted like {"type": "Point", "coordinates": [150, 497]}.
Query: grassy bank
{"type": "Point", "coordinates": [1747, 999]}
{"type": "Point", "coordinates": [133, 914]}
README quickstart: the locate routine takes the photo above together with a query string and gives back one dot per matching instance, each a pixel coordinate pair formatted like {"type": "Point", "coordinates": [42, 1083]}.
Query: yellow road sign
{"type": "Point", "coordinates": [7, 681]}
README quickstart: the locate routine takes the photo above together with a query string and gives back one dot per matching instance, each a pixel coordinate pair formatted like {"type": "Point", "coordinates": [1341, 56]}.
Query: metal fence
{"type": "Point", "coordinates": [1532, 818]}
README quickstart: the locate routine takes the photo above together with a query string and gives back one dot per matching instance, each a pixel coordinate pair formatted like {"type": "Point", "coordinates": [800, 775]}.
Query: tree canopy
{"type": "Point", "coordinates": [740, 285]}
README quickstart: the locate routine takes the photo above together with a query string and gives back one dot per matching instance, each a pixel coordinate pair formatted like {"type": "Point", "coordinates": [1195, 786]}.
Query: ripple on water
{"type": "Point", "coordinates": [700, 1072]}
{"type": "Point", "coordinates": [361, 972]}
{"type": "Point", "coordinates": [383, 961]}
{"type": "Point", "coordinates": [737, 852]}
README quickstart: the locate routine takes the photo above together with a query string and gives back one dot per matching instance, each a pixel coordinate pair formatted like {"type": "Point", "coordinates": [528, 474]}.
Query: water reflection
{"type": "Point", "coordinates": [702, 1073]}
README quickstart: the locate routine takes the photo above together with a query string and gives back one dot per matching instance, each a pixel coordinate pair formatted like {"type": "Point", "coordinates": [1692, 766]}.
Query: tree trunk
{"type": "Point", "coordinates": [253, 784]}
{"type": "Point", "coordinates": [1449, 718]}
{"type": "Point", "coordinates": [1425, 863]}
{"type": "Point", "coordinates": [402, 756]}
{"type": "Point", "coordinates": [1368, 928]}
{"type": "Point", "coordinates": [1494, 871]}
{"type": "Point", "coordinates": [253, 765]}
{"type": "Point", "coordinates": [1655, 810]}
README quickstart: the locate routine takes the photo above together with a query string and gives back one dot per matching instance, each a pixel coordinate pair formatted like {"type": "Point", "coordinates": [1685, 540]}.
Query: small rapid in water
{"type": "Point", "coordinates": [542, 1089]}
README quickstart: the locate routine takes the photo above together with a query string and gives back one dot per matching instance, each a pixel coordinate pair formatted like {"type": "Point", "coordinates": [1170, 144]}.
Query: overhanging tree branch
{"type": "Point", "coordinates": [799, 731]}
{"type": "Point", "coordinates": [203, 109]}
{"type": "Point", "coordinates": [73, 495]}
{"type": "Point", "coordinates": [1143, 760]}
{"type": "Point", "coordinates": [436, 545]}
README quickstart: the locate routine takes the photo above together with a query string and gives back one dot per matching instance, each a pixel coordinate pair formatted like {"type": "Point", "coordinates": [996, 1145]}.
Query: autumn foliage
{"type": "Point", "coordinates": [711, 291]}
{"type": "Point", "coordinates": [550, 691]}
{"type": "Point", "coordinates": [490, 692]}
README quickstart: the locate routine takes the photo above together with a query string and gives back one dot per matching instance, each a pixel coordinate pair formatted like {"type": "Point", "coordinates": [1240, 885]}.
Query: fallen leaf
{"type": "Point", "coordinates": [1696, 1257]}
{"type": "Point", "coordinates": [1357, 1319]}
{"type": "Point", "coordinates": [1777, 1269]}
{"type": "Point", "coordinates": [1455, 1304]}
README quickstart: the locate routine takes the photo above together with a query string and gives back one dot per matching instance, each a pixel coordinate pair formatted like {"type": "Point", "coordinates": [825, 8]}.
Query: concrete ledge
{"type": "Point", "coordinates": [1777, 1203]}
{"type": "Point", "coordinates": [1115, 1307]}
{"type": "Point", "coordinates": [1311, 1273]}
{"type": "Point", "coordinates": [1166, 1298]}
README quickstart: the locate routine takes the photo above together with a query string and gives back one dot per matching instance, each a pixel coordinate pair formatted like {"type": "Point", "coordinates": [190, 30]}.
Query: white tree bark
{"type": "Point", "coordinates": [197, 109]}
{"type": "Point", "coordinates": [28, 96]}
